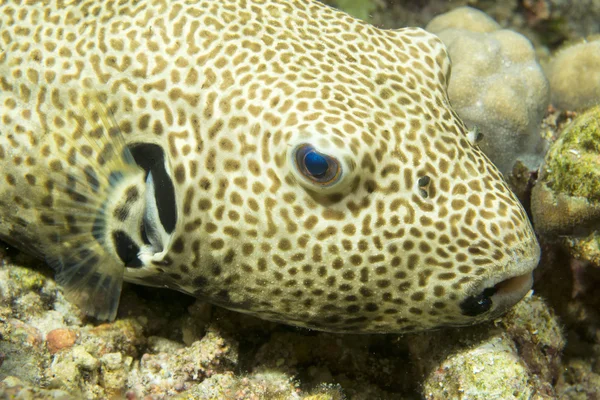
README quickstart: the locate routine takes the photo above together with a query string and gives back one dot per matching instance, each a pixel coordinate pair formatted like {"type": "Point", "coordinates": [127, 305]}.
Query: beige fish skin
{"type": "Point", "coordinates": [276, 157]}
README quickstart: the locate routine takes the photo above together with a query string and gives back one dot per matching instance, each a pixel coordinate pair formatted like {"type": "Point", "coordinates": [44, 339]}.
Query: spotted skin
{"type": "Point", "coordinates": [420, 220]}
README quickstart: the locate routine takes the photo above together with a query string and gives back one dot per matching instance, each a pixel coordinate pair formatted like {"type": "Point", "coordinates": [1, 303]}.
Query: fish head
{"type": "Point", "coordinates": [349, 197]}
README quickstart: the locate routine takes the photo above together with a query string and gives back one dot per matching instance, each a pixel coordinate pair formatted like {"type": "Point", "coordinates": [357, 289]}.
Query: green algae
{"type": "Point", "coordinates": [586, 248]}
{"type": "Point", "coordinates": [572, 173]}
{"type": "Point", "coordinates": [515, 357]}
{"type": "Point", "coordinates": [361, 9]}
{"type": "Point", "coordinates": [566, 199]}
{"type": "Point", "coordinates": [573, 162]}
{"type": "Point", "coordinates": [29, 279]}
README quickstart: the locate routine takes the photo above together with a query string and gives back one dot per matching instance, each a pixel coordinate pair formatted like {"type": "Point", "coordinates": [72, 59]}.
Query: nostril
{"type": "Point", "coordinates": [423, 186]}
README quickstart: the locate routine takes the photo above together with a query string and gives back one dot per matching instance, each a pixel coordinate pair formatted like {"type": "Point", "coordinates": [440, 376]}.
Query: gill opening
{"type": "Point", "coordinates": [160, 215]}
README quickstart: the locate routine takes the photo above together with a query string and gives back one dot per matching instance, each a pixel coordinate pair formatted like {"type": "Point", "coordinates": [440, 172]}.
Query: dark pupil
{"type": "Point", "coordinates": [315, 164]}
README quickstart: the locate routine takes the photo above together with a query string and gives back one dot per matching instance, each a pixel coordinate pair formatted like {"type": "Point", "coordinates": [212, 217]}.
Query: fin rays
{"type": "Point", "coordinates": [90, 274]}
{"type": "Point", "coordinates": [93, 282]}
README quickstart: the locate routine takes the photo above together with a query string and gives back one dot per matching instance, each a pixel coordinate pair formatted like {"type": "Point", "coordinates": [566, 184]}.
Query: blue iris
{"type": "Point", "coordinates": [316, 164]}
{"type": "Point", "coordinates": [318, 168]}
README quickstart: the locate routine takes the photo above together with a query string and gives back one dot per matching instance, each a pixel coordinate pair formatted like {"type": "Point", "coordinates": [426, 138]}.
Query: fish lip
{"type": "Point", "coordinates": [504, 284]}
{"type": "Point", "coordinates": [509, 290]}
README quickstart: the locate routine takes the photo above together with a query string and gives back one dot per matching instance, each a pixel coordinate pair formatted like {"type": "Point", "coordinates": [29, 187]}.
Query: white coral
{"type": "Point", "coordinates": [496, 85]}
{"type": "Point", "coordinates": [574, 75]}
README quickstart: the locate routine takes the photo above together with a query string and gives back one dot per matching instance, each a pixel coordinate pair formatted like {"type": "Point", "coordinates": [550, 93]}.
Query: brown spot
{"type": "Point", "coordinates": [59, 339]}
{"type": "Point", "coordinates": [178, 246]}
{"type": "Point", "coordinates": [179, 174]}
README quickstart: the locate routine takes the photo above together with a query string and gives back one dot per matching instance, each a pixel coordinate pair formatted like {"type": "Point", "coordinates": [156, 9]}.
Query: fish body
{"type": "Point", "coordinates": [275, 157]}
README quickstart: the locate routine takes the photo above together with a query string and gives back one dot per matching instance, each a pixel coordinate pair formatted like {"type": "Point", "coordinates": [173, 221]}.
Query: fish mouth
{"type": "Point", "coordinates": [500, 294]}
{"type": "Point", "coordinates": [509, 291]}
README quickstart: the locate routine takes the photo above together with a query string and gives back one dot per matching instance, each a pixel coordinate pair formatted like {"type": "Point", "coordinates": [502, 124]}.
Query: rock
{"type": "Point", "coordinates": [114, 371]}
{"type": "Point", "coordinates": [22, 355]}
{"type": "Point", "coordinates": [580, 382]}
{"type": "Point", "coordinates": [566, 198]}
{"type": "Point", "coordinates": [14, 388]}
{"type": "Point", "coordinates": [68, 369]}
{"type": "Point", "coordinates": [519, 358]}
{"type": "Point", "coordinates": [179, 370]}
{"type": "Point", "coordinates": [536, 331]}
{"type": "Point", "coordinates": [158, 344]}
{"type": "Point", "coordinates": [59, 339]}
{"type": "Point", "coordinates": [125, 336]}
{"type": "Point", "coordinates": [84, 360]}
{"type": "Point", "coordinates": [194, 326]}
{"type": "Point", "coordinates": [272, 385]}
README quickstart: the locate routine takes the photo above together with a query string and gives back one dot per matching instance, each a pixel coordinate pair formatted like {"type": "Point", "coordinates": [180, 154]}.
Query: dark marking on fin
{"type": "Point", "coordinates": [97, 293]}
{"type": "Point", "coordinates": [99, 228]}
{"type": "Point", "coordinates": [114, 178]}
{"type": "Point", "coordinates": [92, 178]}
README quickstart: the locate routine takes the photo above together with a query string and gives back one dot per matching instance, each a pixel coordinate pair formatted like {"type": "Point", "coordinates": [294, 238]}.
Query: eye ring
{"type": "Point", "coordinates": [319, 168]}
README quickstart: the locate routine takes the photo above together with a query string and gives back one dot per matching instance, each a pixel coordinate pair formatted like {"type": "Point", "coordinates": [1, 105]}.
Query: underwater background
{"type": "Point", "coordinates": [526, 74]}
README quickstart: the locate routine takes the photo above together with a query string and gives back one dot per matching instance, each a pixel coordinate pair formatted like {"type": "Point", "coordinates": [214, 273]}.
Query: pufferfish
{"type": "Point", "coordinates": [275, 157]}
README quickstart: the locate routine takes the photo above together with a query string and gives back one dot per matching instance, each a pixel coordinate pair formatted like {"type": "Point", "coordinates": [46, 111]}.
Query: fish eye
{"type": "Point", "coordinates": [317, 167]}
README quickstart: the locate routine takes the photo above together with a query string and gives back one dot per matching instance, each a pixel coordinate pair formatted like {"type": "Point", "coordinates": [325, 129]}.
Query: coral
{"type": "Point", "coordinates": [521, 180]}
{"type": "Point", "coordinates": [570, 286]}
{"type": "Point", "coordinates": [75, 371]}
{"type": "Point", "coordinates": [496, 86]}
{"type": "Point", "coordinates": [544, 22]}
{"type": "Point", "coordinates": [566, 211]}
{"type": "Point", "coordinates": [466, 18]}
{"type": "Point", "coordinates": [580, 382]}
{"type": "Point", "coordinates": [492, 370]}
{"type": "Point", "coordinates": [585, 248]}
{"type": "Point", "coordinates": [169, 373]}
{"type": "Point", "coordinates": [518, 359]}
{"type": "Point", "coordinates": [271, 385]}
{"type": "Point", "coordinates": [574, 75]}
{"type": "Point", "coordinates": [333, 358]}
{"type": "Point", "coordinates": [566, 199]}
{"type": "Point", "coordinates": [573, 159]}
{"type": "Point", "coordinates": [398, 14]}
{"type": "Point", "coordinates": [536, 331]}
